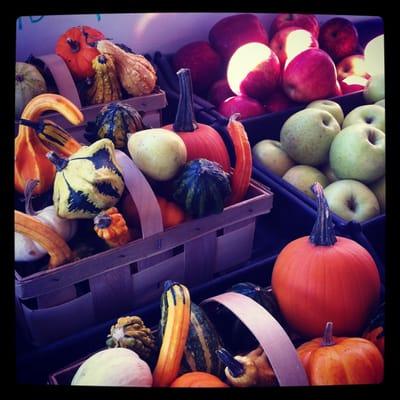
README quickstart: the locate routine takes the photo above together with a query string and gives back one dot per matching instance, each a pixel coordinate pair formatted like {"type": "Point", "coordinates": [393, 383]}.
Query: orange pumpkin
{"type": "Point", "coordinates": [201, 140]}
{"type": "Point", "coordinates": [325, 278]}
{"type": "Point", "coordinates": [198, 379]}
{"type": "Point", "coordinates": [341, 360]}
{"type": "Point", "coordinates": [77, 48]}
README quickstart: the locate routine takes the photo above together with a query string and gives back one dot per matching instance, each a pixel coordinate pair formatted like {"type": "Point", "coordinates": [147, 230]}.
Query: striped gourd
{"type": "Point", "coordinates": [202, 188]}
{"type": "Point", "coordinates": [87, 182]}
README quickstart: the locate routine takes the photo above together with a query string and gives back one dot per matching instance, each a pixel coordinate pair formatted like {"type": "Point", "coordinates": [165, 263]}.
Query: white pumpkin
{"type": "Point", "coordinates": [116, 366]}
{"type": "Point", "coordinates": [27, 249]}
{"type": "Point", "coordinates": [28, 83]}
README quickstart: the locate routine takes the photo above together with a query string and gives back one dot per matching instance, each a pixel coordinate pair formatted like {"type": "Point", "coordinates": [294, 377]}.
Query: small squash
{"type": "Point", "coordinates": [113, 367]}
{"type": "Point", "coordinates": [314, 279]}
{"type": "Point", "coordinates": [110, 225]}
{"type": "Point", "coordinates": [375, 330]}
{"type": "Point", "coordinates": [341, 360]}
{"type": "Point", "coordinates": [136, 74]}
{"type": "Point", "coordinates": [201, 188]}
{"type": "Point", "coordinates": [252, 369]}
{"type": "Point", "coordinates": [30, 161]}
{"type": "Point", "coordinates": [77, 48]}
{"type": "Point", "coordinates": [201, 140]}
{"type": "Point", "coordinates": [87, 182]}
{"type": "Point", "coordinates": [27, 249]}
{"type": "Point", "coordinates": [198, 380]}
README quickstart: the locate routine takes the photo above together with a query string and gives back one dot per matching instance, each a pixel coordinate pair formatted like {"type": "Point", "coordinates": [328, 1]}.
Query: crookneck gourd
{"type": "Point", "coordinates": [136, 74]}
{"type": "Point", "coordinates": [105, 86]}
{"type": "Point", "coordinates": [87, 182]}
{"type": "Point", "coordinates": [114, 122]}
{"type": "Point", "coordinates": [30, 161]}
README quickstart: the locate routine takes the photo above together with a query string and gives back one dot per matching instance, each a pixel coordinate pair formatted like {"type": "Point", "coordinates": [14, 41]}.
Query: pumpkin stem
{"type": "Point", "coordinates": [184, 120]}
{"type": "Point", "coordinates": [235, 367]}
{"type": "Point", "coordinates": [102, 221]}
{"type": "Point", "coordinates": [37, 126]}
{"type": "Point", "coordinates": [74, 45]}
{"type": "Point", "coordinates": [29, 188]}
{"type": "Point", "coordinates": [58, 161]}
{"type": "Point", "coordinates": [327, 339]}
{"type": "Point", "coordinates": [323, 233]}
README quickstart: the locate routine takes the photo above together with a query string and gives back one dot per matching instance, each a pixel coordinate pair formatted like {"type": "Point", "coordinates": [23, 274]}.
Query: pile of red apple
{"type": "Point", "coordinates": [246, 69]}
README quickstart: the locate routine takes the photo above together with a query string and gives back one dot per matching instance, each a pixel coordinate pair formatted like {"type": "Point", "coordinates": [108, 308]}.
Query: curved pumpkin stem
{"type": "Point", "coordinates": [185, 120]}
{"type": "Point", "coordinates": [327, 339]}
{"type": "Point", "coordinates": [74, 45]}
{"type": "Point", "coordinates": [323, 233]}
{"type": "Point", "coordinates": [28, 192]}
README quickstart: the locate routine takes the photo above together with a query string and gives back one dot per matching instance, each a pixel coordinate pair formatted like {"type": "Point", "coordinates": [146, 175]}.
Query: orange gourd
{"type": "Point", "coordinates": [30, 161]}
{"type": "Point", "coordinates": [325, 278]}
{"type": "Point", "coordinates": [198, 379]}
{"type": "Point", "coordinates": [201, 140]}
{"type": "Point", "coordinates": [341, 360]}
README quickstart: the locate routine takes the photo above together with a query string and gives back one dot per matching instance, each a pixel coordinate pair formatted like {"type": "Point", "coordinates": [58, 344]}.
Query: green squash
{"type": "Point", "coordinates": [114, 122]}
{"type": "Point", "coordinates": [87, 182]}
{"type": "Point", "coordinates": [202, 188]}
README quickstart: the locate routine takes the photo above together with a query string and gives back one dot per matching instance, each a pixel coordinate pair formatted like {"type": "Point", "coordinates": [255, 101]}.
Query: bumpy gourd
{"type": "Point", "coordinates": [87, 182]}
{"type": "Point", "coordinates": [201, 188]}
{"type": "Point", "coordinates": [114, 122]}
{"type": "Point", "coordinates": [131, 333]}
{"type": "Point", "coordinates": [137, 75]}
{"type": "Point", "coordinates": [105, 86]}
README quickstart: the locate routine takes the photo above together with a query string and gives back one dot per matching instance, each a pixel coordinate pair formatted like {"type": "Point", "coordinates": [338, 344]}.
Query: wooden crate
{"type": "Point", "coordinates": [56, 303]}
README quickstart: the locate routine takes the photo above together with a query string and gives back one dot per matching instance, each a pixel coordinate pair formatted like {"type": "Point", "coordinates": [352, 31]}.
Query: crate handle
{"type": "Point", "coordinates": [275, 342]}
{"type": "Point", "coordinates": [62, 76]}
{"type": "Point", "coordinates": [142, 195]}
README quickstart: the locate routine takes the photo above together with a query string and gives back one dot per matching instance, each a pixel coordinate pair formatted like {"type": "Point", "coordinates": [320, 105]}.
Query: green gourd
{"type": "Point", "coordinates": [87, 182]}
{"type": "Point", "coordinates": [114, 122]}
{"type": "Point", "coordinates": [202, 188]}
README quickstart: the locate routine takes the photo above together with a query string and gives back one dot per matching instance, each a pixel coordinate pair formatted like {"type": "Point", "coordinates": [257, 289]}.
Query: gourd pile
{"type": "Point", "coordinates": [338, 331]}
{"type": "Point", "coordinates": [186, 163]}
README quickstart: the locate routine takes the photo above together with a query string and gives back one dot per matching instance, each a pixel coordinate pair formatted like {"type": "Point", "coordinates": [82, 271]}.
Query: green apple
{"type": "Point", "coordinates": [379, 189]}
{"type": "Point", "coordinates": [331, 106]}
{"type": "Point", "coordinates": [272, 156]}
{"type": "Point", "coordinates": [358, 152]}
{"type": "Point", "coordinates": [375, 88]}
{"type": "Point", "coordinates": [381, 103]}
{"type": "Point", "coordinates": [351, 200]}
{"type": "Point", "coordinates": [303, 176]}
{"type": "Point", "coordinates": [370, 114]}
{"type": "Point", "coordinates": [328, 172]}
{"type": "Point", "coordinates": [307, 136]}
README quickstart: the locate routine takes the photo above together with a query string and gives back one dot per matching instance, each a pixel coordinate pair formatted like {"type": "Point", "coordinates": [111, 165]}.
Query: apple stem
{"type": "Point", "coordinates": [184, 120]}
{"type": "Point", "coordinates": [323, 233]}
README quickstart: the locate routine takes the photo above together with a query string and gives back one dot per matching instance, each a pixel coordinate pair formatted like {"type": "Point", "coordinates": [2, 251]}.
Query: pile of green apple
{"type": "Point", "coordinates": [344, 153]}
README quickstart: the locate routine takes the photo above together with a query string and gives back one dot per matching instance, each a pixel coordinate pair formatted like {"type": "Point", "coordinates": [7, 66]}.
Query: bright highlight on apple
{"type": "Point", "coordinates": [374, 56]}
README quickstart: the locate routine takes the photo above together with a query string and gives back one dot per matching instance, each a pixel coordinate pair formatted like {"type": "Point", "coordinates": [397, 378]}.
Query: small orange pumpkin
{"type": "Point", "coordinates": [341, 360]}
{"type": "Point", "coordinates": [198, 379]}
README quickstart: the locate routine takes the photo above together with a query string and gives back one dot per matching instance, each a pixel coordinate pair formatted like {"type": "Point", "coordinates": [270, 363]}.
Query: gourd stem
{"type": "Point", "coordinates": [235, 367]}
{"type": "Point", "coordinates": [184, 120]}
{"type": "Point", "coordinates": [102, 221]}
{"type": "Point", "coordinates": [102, 59]}
{"type": "Point", "coordinates": [323, 232]}
{"type": "Point", "coordinates": [327, 340]}
{"type": "Point", "coordinates": [75, 46]}
{"type": "Point", "coordinates": [37, 126]}
{"type": "Point", "coordinates": [29, 188]}
{"type": "Point", "coordinates": [59, 162]}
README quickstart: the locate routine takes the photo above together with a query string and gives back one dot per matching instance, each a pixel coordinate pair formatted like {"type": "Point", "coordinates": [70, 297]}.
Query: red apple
{"type": "Point", "coordinates": [203, 61]}
{"type": "Point", "coordinates": [305, 21]}
{"type": "Point", "coordinates": [311, 75]}
{"type": "Point", "coordinates": [219, 91]}
{"type": "Point", "coordinates": [254, 70]}
{"type": "Point", "coordinates": [352, 65]}
{"type": "Point", "coordinates": [244, 105]}
{"type": "Point", "coordinates": [338, 37]}
{"type": "Point", "coordinates": [278, 101]}
{"type": "Point", "coordinates": [353, 83]}
{"type": "Point", "coordinates": [231, 32]}
{"type": "Point", "coordinates": [290, 41]}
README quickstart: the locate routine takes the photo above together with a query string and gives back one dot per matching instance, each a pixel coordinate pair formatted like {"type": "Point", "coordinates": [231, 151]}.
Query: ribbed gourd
{"type": "Point", "coordinates": [105, 86]}
{"type": "Point", "coordinates": [87, 182]}
{"type": "Point", "coordinates": [202, 188]}
{"type": "Point", "coordinates": [114, 122]}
